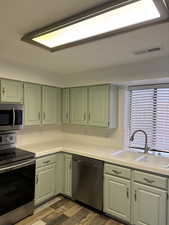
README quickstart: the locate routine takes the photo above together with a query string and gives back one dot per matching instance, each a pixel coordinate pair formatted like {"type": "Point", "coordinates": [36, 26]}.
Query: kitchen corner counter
{"type": "Point", "coordinates": [106, 154]}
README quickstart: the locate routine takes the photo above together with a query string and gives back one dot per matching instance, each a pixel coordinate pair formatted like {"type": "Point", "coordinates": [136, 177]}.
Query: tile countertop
{"type": "Point", "coordinates": [105, 154]}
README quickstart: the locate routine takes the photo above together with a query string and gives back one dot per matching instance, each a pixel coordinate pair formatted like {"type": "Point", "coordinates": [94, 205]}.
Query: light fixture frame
{"type": "Point", "coordinates": [162, 6]}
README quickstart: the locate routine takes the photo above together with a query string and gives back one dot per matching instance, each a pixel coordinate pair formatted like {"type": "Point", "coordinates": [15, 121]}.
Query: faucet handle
{"type": "Point", "coordinates": [147, 149]}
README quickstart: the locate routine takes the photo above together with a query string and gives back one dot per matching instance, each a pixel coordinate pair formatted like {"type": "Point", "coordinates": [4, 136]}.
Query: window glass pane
{"type": "Point", "coordinates": [149, 111]}
{"type": "Point", "coordinates": [141, 115]}
{"type": "Point", "coordinates": [162, 120]}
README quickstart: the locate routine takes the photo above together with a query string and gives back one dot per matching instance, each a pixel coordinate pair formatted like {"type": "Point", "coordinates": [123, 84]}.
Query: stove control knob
{"type": "Point", "coordinates": [9, 139]}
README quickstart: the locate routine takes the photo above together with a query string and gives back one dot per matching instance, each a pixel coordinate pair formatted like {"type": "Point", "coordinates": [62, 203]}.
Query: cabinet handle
{"type": "Point", "coordinates": [127, 192]}
{"type": "Point", "coordinates": [149, 181]}
{"type": "Point", "coordinates": [89, 116]}
{"type": "Point", "coordinates": [84, 117]}
{"type": "Point", "coordinates": [135, 196]}
{"type": "Point", "coordinates": [37, 179]}
{"type": "Point", "coordinates": [3, 90]}
{"type": "Point", "coordinates": [70, 166]}
{"type": "Point", "coordinates": [48, 161]}
{"type": "Point", "coordinates": [44, 115]}
{"type": "Point", "coordinates": [116, 172]}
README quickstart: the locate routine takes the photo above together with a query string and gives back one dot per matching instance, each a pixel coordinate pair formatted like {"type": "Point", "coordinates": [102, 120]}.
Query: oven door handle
{"type": "Point", "coordinates": [9, 168]}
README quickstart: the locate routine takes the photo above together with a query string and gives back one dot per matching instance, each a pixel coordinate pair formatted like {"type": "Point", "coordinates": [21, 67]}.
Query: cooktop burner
{"type": "Point", "coordinates": [13, 155]}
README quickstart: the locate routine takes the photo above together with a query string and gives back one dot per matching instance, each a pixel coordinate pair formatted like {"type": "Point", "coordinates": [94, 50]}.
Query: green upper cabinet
{"type": "Point", "coordinates": [78, 105]}
{"type": "Point", "coordinates": [102, 106]}
{"type": "Point", "coordinates": [11, 91]}
{"type": "Point", "coordinates": [65, 106]}
{"type": "Point", "coordinates": [59, 174]}
{"type": "Point", "coordinates": [51, 105]}
{"type": "Point", "coordinates": [93, 106]}
{"type": "Point", "coordinates": [58, 106]}
{"type": "Point", "coordinates": [32, 102]}
{"type": "Point", "coordinates": [98, 106]}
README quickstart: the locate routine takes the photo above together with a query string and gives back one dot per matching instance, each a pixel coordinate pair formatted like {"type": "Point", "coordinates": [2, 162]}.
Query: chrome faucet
{"type": "Point", "coordinates": [146, 148]}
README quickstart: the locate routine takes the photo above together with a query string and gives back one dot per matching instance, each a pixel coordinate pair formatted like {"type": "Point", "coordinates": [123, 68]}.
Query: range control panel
{"type": "Point", "coordinates": [7, 139]}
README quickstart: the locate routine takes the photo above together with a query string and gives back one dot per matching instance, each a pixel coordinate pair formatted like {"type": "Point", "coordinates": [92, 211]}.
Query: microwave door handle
{"type": "Point", "coordinates": [13, 123]}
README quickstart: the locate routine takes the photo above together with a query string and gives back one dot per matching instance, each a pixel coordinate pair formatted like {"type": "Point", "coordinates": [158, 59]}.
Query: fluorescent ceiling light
{"type": "Point", "coordinates": [108, 20]}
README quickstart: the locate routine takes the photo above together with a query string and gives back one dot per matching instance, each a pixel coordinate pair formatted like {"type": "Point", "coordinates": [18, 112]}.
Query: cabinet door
{"type": "Point", "coordinates": [149, 205]}
{"type": "Point", "coordinates": [32, 101]}
{"type": "Point", "coordinates": [78, 106]}
{"type": "Point", "coordinates": [98, 114]}
{"type": "Point", "coordinates": [58, 106]}
{"type": "Point", "coordinates": [65, 106]}
{"type": "Point", "coordinates": [45, 184]}
{"type": "Point", "coordinates": [117, 197]}
{"type": "Point", "coordinates": [68, 175]}
{"type": "Point", "coordinates": [11, 91]}
{"type": "Point", "coordinates": [59, 173]}
{"type": "Point", "coordinates": [49, 105]}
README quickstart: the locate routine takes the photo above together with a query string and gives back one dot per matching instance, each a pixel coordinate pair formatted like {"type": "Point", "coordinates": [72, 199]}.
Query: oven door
{"type": "Point", "coordinates": [17, 184]}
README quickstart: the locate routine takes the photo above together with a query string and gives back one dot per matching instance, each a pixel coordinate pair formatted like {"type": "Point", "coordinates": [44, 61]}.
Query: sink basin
{"type": "Point", "coordinates": [152, 160]}
{"type": "Point", "coordinates": [127, 155]}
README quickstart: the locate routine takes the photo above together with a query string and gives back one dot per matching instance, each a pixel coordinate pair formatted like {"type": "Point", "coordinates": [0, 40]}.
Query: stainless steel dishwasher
{"type": "Point", "coordinates": [87, 181]}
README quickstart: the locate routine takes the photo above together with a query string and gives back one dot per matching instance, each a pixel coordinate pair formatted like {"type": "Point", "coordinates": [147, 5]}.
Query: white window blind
{"type": "Point", "coordinates": [149, 111]}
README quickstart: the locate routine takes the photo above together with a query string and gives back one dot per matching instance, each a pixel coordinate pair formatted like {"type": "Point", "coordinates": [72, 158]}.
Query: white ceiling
{"type": "Point", "coordinates": [21, 16]}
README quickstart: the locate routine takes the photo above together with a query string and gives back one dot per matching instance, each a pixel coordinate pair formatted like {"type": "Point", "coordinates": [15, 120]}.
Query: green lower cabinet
{"type": "Point", "coordinates": [59, 175]}
{"type": "Point", "coordinates": [150, 205]}
{"type": "Point", "coordinates": [117, 197]}
{"type": "Point", "coordinates": [45, 184]}
{"type": "Point", "coordinates": [68, 175]}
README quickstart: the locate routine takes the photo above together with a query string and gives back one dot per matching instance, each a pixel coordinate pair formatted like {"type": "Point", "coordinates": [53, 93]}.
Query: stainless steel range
{"type": "Point", "coordinates": [17, 181]}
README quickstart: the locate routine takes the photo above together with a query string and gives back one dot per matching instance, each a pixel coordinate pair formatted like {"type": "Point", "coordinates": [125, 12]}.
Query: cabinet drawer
{"type": "Point", "coordinates": [45, 161]}
{"type": "Point", "coordinates": [150, 179]}
{"type": "Point", "coordinates": [117, 171]}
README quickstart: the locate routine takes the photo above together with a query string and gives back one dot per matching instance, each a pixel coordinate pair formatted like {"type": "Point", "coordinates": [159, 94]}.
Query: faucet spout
{"type": "Point", "coordinates": [146, 148]}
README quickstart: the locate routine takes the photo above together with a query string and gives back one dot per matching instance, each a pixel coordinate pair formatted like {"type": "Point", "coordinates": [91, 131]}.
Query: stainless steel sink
{"type": "Point", "coordinates": [127, 155]}
{"type": "Point", "coordinates": [152, 160]}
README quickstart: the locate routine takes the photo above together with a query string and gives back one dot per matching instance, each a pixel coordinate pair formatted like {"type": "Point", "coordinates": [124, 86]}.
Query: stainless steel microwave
{"type": "Point", "coordinates": [11, 116]}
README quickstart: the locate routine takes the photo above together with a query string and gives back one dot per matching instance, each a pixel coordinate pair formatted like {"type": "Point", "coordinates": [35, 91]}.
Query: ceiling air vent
{"type": "Point", "coordinates": [146, 51]}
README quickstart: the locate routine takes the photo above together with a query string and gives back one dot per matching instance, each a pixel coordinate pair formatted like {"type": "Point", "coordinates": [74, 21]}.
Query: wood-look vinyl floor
{"type": "Point", "coordinates": [67, 212]}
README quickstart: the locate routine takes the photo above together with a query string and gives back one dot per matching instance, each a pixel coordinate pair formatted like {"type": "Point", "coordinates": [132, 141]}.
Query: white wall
{"type": "Point", "coordinates": [38, 135]}
{"type": "Point", "coordinates": [152, 71]}
{"type": "Point", "coordinates": [23, 73]}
